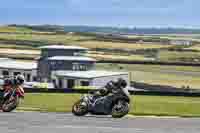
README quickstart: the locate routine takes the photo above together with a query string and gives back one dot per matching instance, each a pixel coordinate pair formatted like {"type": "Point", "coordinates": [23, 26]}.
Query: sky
{"type": "Point", "coordinates": [116, 13]}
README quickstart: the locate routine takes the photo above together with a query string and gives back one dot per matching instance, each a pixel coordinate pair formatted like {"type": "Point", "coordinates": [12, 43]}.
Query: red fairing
{"type": "Point", "coordinates": [7, 88]}
{"type": "Point", "coordinates": [20, 91]}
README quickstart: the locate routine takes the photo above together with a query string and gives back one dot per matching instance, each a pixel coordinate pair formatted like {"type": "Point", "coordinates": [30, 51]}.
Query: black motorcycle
{"type": "Point", "coordinates": [115, 104]}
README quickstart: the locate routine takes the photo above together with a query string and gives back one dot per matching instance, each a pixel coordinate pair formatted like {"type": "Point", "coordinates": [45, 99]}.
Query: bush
{"type": "Point", "coordinates": [43, 86]}
{"type": "Point", "coordinates": [85, 87]}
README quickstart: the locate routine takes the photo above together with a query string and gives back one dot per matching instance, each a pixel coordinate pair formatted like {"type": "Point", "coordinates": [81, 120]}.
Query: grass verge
{"type": "Point", "coordinates": [140, 105]}
{"type": "Point", "coordinates": [176, 76]}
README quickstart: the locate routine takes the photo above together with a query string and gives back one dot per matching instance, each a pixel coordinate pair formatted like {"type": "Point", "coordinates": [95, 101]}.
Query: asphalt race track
{"type": "Point", "coordinates": [33, 122]}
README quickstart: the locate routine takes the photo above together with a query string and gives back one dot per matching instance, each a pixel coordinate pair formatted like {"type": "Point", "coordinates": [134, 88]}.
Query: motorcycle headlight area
{"type": "Point", "coordinates": [84, 104]}
{"type": "Point", "coordinates": [84, 97]}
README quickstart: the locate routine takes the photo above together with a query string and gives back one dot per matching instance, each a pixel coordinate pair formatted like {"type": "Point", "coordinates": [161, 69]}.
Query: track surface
{"type": "Point", "coordinates": [32, 122]}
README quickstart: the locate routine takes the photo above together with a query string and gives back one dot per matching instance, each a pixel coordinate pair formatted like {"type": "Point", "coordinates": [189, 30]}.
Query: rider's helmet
{"type": "Point", "coordinates": [122, 83]}
{"type": "Point", "coordinates": [110, 85]}
{"type": "Point", "coordinates": [20, 79]}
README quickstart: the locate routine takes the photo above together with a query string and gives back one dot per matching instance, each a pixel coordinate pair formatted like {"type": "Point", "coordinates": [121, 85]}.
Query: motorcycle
{"type": "Point", "coordinates": [116, 104]}
{"type": "Point", "coordinates": [11, 97]}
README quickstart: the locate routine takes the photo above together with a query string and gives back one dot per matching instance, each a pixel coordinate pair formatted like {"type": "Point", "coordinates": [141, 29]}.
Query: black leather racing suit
{"type": "Point", "coordinates": [110, 87]}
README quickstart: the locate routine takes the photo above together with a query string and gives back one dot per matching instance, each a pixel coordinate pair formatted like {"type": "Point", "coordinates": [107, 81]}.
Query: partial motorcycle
{"type": "Point", "coordinates": [11, 97]}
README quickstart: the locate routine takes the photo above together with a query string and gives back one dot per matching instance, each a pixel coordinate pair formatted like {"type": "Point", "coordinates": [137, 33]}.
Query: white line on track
{"type": "Point", "coordinates": [99, 127]}
{"type": "Point", "coordinates": [107, 116]}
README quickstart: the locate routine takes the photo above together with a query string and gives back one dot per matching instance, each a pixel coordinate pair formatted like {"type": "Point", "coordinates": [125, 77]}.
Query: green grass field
{"type": "Point", "coordinates": [140, 105]}
{"type": "Point", "coordinates": [195, 47]}
{"type": "Point", "coordinates": [63, 38]}
{"type": "Point", "coordinates": [11, 44]}
{"type": "Point", "coordinates": [193, 37]}
{"type": "Point", "coordinates": [12, 29]}
{"type": "Point", "coordinates": [178, 56]}
{"type": "Point", "coordinates": [118, 45]}
{"type": "Point", "coordinates": [25, 38]}
{"type": "Point", "coordinates": [177, 76]}
{"type": "Point", "coordinates": [21, 30]}
{"type": "Point", "coordinates": [106, 56]}
{"type": "Point", "coordinates": [84, 41]}
{"type": "Point", "coordinates": [17, 47]}
{"type": "Point", "coordinates": [146, 68]}
{"type": "Point", "coordinates": [169, 79]}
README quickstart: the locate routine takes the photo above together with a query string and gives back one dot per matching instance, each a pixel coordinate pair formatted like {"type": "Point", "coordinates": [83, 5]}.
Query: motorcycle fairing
{"type": "Point", "coordinates": [20, 91]}
{"type": "Point", "coordinates": [102, 105]}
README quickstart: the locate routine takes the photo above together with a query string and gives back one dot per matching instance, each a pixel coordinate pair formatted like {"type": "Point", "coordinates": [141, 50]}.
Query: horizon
{"type": "Point", "coordinates": [130, 27]}
{"type": "Point", "coordinates": [113, 13]}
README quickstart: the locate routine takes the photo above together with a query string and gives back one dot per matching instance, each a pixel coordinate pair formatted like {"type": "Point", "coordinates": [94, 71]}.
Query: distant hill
{"type": "Point", "coordinates": [131, 30]}
{"type": "Point", "coordinates": [42, 28]}
{"type": "Point", "coordinates": [110, 30]}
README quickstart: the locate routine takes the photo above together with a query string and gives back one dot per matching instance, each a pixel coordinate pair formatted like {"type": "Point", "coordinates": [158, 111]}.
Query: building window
{"type": "Point", "coordinates": [28, 77]}
{"type": "Point", "coordinates": [83, 67]}
{"type": "Point", "coordinates": [34, 79]}
{"type": "Point", "coordinates": [5, 73]}
{"type": "Point", "coordinates": [60, 62]}
{"type": "Point", "coordinates": [54, 83]}
{"type": "Point", "coordinates": [70, 83]}
{"type": "Point", "coordinates": [44, 80]}
{"type": "Point", "coordinates": [79, 53]}
{"type": "Point", "coordinates": [53, 63]}
{"type": "Point", "coordinates": [16, 73]}
{"type": "Point", "coordinates": [60, 83]}
{"type": "Point", "coordinates": [79, 67]}
{"type": "Point", "coordinates": [75, 66]}
{"type": "Point", "coordinates": [85, 83]}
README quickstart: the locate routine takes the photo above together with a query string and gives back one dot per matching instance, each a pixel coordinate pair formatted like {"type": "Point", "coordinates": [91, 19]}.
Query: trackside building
{"type": "Point", "coordinates": [64, 66]}
{"type": "Point", "coordinates": [11, 68]}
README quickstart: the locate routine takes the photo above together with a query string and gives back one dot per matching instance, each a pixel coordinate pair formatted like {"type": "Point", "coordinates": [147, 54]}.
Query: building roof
{"type": "Point", "coordinates": [72, 58]}
{"type": "Point", "coordinates": [63, 47]}
{"type": "Point", "coordinates": [88, 74]}
{"type": "Point", "coordinates": [13, 64]}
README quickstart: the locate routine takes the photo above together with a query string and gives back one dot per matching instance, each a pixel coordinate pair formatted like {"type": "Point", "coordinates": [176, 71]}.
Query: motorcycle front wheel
{"type": "Point", "coordinates": [10, 104]}
{"type": "Point", "coordinates": [120, 109]}
{"type": "Point", "coordinates": [80, 108]}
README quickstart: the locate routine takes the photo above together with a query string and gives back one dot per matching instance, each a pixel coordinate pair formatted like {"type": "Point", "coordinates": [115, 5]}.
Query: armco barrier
{"type": "Point", "coordinates": [158, 93]}
{"type": "Point", "coordinates": [38, 90]}
{"type": "Point", "coordinates": [135, 92]}
{"type": "Point", "coordinates": [163, 88]}
{"type": "Point", "coordinates": [150, 63]}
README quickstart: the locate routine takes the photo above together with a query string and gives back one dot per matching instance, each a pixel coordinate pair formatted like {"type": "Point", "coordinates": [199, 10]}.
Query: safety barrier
{"type": "Point", "coordinates": [133, 92]}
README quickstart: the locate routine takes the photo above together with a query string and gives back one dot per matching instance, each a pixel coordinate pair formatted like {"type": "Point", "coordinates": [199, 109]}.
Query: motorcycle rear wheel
{"type": "Point", "coordinates": [10, 104]}
{"type": "Point", "coordinates": [122, 111]}
{"type": "Point", "coordinates": [79, 109]}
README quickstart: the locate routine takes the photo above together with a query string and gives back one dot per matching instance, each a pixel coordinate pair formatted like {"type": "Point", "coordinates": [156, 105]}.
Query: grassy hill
{"type": "Point", "coordinates": [102, 46]}
{"type": "Point", "coordinates": [13, 29]}
{"type": "Point", "coordinates": [15, 40]}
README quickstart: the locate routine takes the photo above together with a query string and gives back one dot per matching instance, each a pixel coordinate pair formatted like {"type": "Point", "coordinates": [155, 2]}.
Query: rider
{"type": "Point", "coordinates": [17, 81]}
{"type": "Point", "coordinates": [111, 87]}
